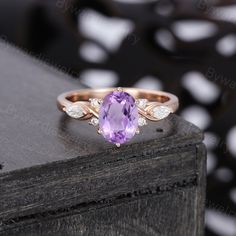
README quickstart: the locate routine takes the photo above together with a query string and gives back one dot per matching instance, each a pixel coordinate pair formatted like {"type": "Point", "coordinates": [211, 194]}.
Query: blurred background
{"type": "Point", "coordinates": [187, 47]}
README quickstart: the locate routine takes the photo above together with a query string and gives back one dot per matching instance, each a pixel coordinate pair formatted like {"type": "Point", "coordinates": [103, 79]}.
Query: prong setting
{"type": "Point", "coordinates": [119, 89]}
{"type": "Point", "coordinates": [94, 121]}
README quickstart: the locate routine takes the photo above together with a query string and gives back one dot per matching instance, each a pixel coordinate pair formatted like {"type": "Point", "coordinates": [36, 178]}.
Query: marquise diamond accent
{"type": "Point", "coordinates": [161, 112]}
{"type": "Point", "coordinates": [74, 111]}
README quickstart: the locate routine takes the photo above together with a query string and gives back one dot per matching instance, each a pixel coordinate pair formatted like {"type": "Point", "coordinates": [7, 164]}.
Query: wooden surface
{"type": "Point", "coordinates": [59, 177]}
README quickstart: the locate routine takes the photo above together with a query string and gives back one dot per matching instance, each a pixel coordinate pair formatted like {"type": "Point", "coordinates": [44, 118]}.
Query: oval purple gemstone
{"type": "Point", "coordinates": [118, 117]}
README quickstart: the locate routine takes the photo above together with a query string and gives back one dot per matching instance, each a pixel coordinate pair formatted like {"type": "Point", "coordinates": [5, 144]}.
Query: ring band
{"type": "Point", "coordinates": [118, 112]}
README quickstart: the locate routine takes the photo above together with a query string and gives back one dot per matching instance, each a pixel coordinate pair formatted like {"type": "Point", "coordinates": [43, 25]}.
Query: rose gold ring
{"type": "Point", "coordinates": [118, 112]}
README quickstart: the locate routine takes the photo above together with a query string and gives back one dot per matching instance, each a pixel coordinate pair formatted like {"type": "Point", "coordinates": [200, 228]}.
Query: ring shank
{"type": "Point", "coordinates": [84, 95]}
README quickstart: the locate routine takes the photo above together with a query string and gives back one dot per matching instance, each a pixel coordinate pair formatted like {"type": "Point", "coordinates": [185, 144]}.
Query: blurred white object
{"type": "Point", "coordinates": [233, 195]}
{"type": "Point", "coordinates": [220, 222]}
{"type": "Point", "coordinates": [211, 140]}
{"type": "Point", "coordinates": [225, 13]}
{"type": "Point", "coordinates": [99, 78]}
{"type": "Point", "coordinates": [164, 38]}
{"type": "Point", "coordinates": [92, 52]}
{"type": "Point", "coordinates": [231, 141]}
{"type": "Point", "coordinates": [164, 9]}
{"type": "Point", "coordinates": [197, 115]}
{"type": "Point", "coordinates": [227, 45]}
{"type": "Point", "coordinates": [109, 31]}
{"type": "Point", "coordinates": [149, 82]}
{"type": "Point", "coordinates": [202, 89]}
{"type": "Point", "coordinates": [193, 30]}
{"type": "Point", "coordinates": [211, 162]}
{"type": "Point", "coordinates": [224, 174]}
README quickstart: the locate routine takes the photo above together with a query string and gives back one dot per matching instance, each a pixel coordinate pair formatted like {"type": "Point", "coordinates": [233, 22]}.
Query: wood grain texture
{"type": "Point", "coordinates": [59, 177]}
{"type": "Point", "coordinates": [152, 215]}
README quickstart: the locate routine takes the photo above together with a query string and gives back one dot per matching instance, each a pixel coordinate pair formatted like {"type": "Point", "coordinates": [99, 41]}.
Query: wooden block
{"type": "Point", "coordinates": [59, 177]}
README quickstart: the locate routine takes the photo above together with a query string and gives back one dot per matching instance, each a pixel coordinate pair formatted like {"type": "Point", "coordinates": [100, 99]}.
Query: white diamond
{"type": "Point", "coordinates": [142, 121]}
{"type": "Point", "coordinates": [141, 103]}
{"type": "Point", "coordinates": [94, 121]}
{"type": "Point", "coordinates": [74, 111]}
{"type": "Point", "coordinates": [161, 112]}
{"type": "Point", "coordinates": [95, 102]}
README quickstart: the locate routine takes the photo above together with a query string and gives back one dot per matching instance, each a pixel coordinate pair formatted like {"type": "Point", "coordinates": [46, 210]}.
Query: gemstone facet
{"type": "Point", "coordinates": [118, 117]}
{"type": "Point", "coordinates": [161, 112]}
{"type": "Point", "coordinates": [74, 111]}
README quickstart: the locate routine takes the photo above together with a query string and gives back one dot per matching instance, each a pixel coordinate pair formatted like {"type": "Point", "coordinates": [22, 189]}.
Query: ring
{"type": "Point", "coordinates": [118, 112]}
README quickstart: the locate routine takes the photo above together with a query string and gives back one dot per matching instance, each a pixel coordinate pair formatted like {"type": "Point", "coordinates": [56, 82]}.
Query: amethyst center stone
{"type": "Point", "coordinates": [118, 117]}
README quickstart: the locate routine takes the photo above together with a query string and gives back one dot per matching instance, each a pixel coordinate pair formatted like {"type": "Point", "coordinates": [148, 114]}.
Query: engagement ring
{"type": "Point", "coordinates": [117, 113]}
